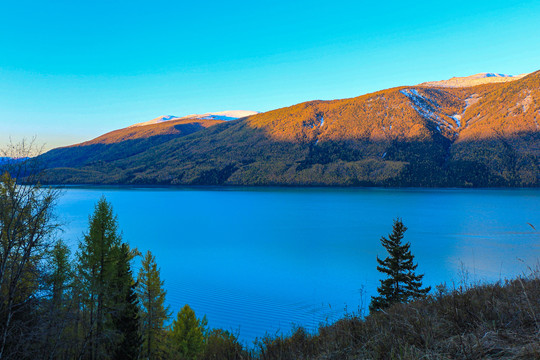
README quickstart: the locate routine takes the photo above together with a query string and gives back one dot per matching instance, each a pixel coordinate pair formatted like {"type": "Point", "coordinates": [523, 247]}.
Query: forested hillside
{"type": "Point", "coordinates": [123, 143]}
{"type": "Point", "coordinates": [486, 135]}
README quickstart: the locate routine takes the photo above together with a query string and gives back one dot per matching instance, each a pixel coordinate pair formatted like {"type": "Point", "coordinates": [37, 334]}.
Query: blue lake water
{"type": "Point", "coordinates": [258, 260]}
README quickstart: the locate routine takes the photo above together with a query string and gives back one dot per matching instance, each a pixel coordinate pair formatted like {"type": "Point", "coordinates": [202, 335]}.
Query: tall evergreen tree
{"type": "Point", "coordinates": [97, 270]}
{"type": "Point", "coordinates": [402, 284]}
{"type": "Point", "coordinates": [61, 275]}
{"type": "Point", "coordinates": [154, 313]}
{"type": "Point", "coordinates": [59, 312]}
{"type": "Point", "coordinates": [186, 336]}
{"type": "Point", "coordinates": [125, 312]}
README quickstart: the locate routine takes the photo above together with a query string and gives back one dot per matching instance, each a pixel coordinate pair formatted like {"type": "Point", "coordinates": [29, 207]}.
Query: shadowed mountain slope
{"type": "Point", "coordinates": [486, 135]}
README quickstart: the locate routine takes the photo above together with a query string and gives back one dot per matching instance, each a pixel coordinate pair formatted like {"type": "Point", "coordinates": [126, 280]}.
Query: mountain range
{"type": "Point", "coordinates": [477, 131]}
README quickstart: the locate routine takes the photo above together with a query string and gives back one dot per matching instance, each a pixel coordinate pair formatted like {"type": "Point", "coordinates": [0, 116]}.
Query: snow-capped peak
{"type": "Point", "coordinates": [473, 80]}
{"type": "Point", "coordinates": [166, 117]}
{"type": "Point", "coordinates": [485, 75]}
{"type": "Point", "coordinates": [236, 114]}
{"type": "Point", "coordinates": [220, 115]}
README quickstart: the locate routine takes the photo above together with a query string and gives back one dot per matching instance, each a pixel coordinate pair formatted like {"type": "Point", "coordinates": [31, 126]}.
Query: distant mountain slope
{"type": "Point", "coordinates": [486, 135]}
{"type": "Point", "coordinates": [8, 160]}
{"type": "Point", "coordinates": [473, 80]}
{"type": "Point", "coordinates": [176, 127]}
{"type": "Point", "coordinates": [123, 143]}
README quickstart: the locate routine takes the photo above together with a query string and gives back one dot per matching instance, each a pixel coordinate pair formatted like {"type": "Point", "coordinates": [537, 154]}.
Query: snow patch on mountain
{"type": "Point", "coordinates": [473, 80]}
{"type": "Point", "coordinates": [526, 103]}
{"type": "Point", "coordinates": [471, 100]}
{"type": "Point", "coordinates": [219, 115]}
{"type": "Point", "coordinates": [158, 120]}
{"type": "Point", "coordinates": [232, 114]}
{"type": "Point", "coordinates": [424, 107]}
{"type": "Point", "coordinates": [312, 124]}
{"type": "Point", "coordinates": [457, 119]}
{"type": "Point", "coordinates": [420, 103]}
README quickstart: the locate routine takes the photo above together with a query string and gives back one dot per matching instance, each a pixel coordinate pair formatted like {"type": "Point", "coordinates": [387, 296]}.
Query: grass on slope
{"type": "Point", "coordinates": [494, 321]}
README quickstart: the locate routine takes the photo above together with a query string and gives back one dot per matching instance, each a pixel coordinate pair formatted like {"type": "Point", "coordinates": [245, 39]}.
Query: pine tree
{"type": "Point", "coordinates": [58, 313]}
{"type": "Point", "coordinates": [186, 336]}
{"type": "Point", "coordinates": [97, 269]}
{"type": "Point", "coordinates": [402, 284]}
{"type": "Point", "coordinates": [125, 312]}
{"type": "Point", "coordinates": [61, 272]}
{"type": "Point", "coordinates": [154, 313]}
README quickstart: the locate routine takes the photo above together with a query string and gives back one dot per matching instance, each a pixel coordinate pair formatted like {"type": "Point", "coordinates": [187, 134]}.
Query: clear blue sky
{"type": "Point", "coordinates": [72, 70]}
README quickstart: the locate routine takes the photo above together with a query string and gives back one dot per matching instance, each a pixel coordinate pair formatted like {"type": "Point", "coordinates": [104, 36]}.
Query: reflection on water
{"type": "Point", "coordinates": [257, 260]}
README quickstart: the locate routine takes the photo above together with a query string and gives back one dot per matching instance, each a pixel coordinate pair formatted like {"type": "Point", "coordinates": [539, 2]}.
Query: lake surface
{"type": "Point", "coordinates": [258, 260]}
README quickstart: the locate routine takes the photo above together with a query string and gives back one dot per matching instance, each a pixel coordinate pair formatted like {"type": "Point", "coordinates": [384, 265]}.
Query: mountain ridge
{"type": "Point", "coordinates": [486, 135]}
{"type": "Point", "coordinates": [220, 115]}
{"type": "Point", "coordinates": [474, 80]}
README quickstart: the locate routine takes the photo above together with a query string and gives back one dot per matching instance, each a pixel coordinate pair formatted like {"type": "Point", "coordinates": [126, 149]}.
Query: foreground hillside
{"type": "Point", "coordinates": [486, 135]}
{"type": "Point", "coordinates": [498, 321]}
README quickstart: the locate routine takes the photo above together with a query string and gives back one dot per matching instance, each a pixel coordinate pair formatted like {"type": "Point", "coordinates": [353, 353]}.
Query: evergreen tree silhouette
{"type": "Point", "coordinates": [154, 312]}
{"type": "Point", "coordinates": [402, 284]}
{"type": "Point", "coordinates": [125, 313]}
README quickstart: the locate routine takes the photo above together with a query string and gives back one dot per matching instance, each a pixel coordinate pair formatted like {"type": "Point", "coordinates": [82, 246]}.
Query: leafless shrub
{"type": "Point", "coordinates": [27, 228]}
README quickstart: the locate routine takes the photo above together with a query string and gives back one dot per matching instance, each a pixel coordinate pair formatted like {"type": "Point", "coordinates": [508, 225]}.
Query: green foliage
{"type": "Point", "coordinates": [402, 284]}
{"type": "Point", "coordinates": [125, 309]}
{"type": "Point", "coordinates": [26, 229]}
{"type": "Point", "coordinates": [88, 308]}
{"type": "Point", "coordinates": [62, 273]}
{"type": "Point", "coordinates": [47, 311]}
{"type": "Point", "coordinates": [299, 345]}
{"type": "Point", "coordinates": [59, 311]}
{"type": "Point", "coordinates": [186, 336]}
{"type": "Point", "coordinates": [222, 345]}
{"type": "Point", "coordinates": [98, 257]}
{"type": "Point", "coordinates": [154, 312]}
